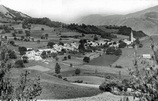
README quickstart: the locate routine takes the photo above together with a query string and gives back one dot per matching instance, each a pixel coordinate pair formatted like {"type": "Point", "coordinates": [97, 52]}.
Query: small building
{"type": "Point", "coordinates": [146, 56]}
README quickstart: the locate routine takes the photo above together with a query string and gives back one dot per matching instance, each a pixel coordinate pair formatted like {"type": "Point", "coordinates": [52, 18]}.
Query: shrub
{"type": "Point", "coordinates": [77, 71]}
{"type": "Point", "coordinates": [19, 64]}
{"type": "Point", "coordinates": [86, 59]}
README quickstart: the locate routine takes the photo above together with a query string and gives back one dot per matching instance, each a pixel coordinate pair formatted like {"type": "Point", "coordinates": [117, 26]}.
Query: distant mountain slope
{"type": "Point", "coordinates": [145, 20]}
{"type": "Point", "coordinates": [7, 14]}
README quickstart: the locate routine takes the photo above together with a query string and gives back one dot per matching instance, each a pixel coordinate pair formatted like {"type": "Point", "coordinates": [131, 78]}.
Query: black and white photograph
{"type": "Point", "coordinates": [78, 50]}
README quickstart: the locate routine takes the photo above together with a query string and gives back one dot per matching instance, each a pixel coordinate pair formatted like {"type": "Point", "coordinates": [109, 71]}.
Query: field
{"type": "Point", "coordinates": [104, 60]}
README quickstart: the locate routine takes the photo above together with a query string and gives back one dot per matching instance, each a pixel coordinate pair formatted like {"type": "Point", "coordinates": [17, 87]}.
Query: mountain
{"type": "Point", "coordinates": [145, 20]}
{"type": "Point", "coordinates": [7, 14]}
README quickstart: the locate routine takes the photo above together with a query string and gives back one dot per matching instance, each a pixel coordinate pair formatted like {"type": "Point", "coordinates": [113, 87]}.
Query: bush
{"type": "Point", "coordinates": [86, 59]}
{"type": "Point", "coordinates": [19, 64]}
{"type": "Point", "coordinates": [77, 71]}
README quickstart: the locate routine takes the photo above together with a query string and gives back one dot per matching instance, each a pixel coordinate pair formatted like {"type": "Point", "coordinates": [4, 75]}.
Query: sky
{"type": "Point", "coordinates": [68, 10]}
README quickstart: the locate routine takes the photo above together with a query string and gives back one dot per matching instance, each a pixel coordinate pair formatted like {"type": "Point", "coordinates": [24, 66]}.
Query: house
{"type": "Point", "coordinates": [146, 56]}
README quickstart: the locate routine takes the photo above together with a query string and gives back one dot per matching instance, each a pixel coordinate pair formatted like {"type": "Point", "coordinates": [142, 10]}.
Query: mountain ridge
{"type": "Point", "coordinates": [145, 20]}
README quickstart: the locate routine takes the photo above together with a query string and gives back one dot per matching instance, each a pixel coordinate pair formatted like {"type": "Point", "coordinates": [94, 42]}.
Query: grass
{"type": "Point", "coordinates": [55, 88]}
{"type": "Point", "coordinates": [87, 79]}
{"type": "Point", "coordinates": [103, 60]}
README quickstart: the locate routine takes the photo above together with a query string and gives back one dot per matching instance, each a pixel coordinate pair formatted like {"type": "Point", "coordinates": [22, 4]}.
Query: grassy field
{"type": "Point", "coordinates": [103, 60]}
{"type": "Point", "coordinates": [87, 79]}
{"type": "Point", "coordinates": [55, 88]}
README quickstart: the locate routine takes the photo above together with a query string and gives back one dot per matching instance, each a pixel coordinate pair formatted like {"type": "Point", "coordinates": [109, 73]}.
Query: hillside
{"type": "Point", "coordinates": [145, 20]}
{"type": "Point", "coordinates": [7, 14]}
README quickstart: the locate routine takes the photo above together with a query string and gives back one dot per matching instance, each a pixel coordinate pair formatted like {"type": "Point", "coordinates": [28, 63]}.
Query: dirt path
{"type": "Point", "coordinates": [87, 85]}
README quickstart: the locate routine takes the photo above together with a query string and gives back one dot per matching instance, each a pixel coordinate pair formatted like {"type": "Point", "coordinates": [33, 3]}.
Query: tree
{"type": "Point", "coordinates": [122, 44]}
{"type": "Point", "coordinates": [57, 68]}
{"type": "Point", "coordinates": [38, 41]}
{"type": "Point", "coordinates": [69, 56]}
{"type": "Point", "coordinates": [46, 36]}
{"type": "Point", "coordinates": [86, 59]}
{"type": "Point", "coordinates": [42, 29]}
{"type": "Point", "coordinates": [95, 38]}
{"type": "Point", "coordinates": [19, 64]}
{"type": "Point", "coordinates": [25, 59]}
{"type": "Point", "coordinates": [12, 54]}
{"type": "Point", "coordinates": [7, 88]}
{"type": "Point", "coordinates": [110, 51]}
{"type": "Point", "coordinates": [144, 80]}
{"type": "Point", "coordinates": [44, 55]}
{"type": "Point", "coordinates": [50, 44]}
{"type": "Point", "coordinates": [25, 90]}
{"type": "Point", "coordinates": [61, 43]}
{"type": "Point", "coordinates": [22, 50]}
{"type": "Point", "coordinates": [12, 43]}
{"type": "Point", "coordinates": [27, 33]}
{"type": "Point", "coordinates": [118, 52]}
{"type": "Point", "coordinates": [28, 88]}
{"type": "Point", "coordinates": [77, 71]}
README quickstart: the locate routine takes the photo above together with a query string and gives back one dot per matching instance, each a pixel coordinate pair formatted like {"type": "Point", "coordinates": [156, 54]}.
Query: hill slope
{"type": "Point", "coordinates": [7, 14]}
{"type": "Point", "coordinates": [145, 20]}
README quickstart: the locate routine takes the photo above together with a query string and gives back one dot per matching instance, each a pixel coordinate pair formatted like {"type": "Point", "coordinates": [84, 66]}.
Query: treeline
{"type": "Point", "coordinates": [124, 30]}
{"type": "Point", "coordinates": [87, 29]}
{"type": "Point", "coordinates": [43, 21]}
